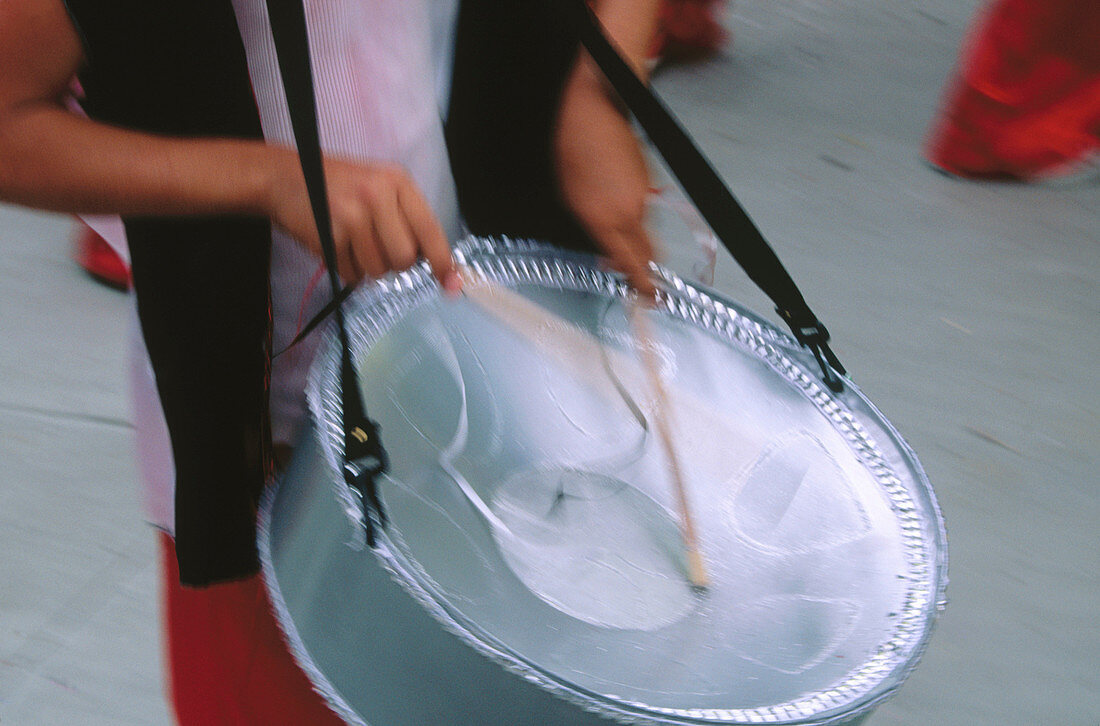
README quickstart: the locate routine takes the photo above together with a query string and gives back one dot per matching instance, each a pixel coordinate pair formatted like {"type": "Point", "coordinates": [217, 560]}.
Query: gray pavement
{"type": "Point", "coordinates": [967, 312]}
{"type": "Point", "coordinates": [79, 628]}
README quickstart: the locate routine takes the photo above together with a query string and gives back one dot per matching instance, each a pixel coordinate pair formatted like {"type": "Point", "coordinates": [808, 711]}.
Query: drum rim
{"type": "Point", "coordinates": [525, 260]}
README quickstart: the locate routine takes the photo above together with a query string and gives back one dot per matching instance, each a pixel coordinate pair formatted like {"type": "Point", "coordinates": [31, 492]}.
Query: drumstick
{"type": "Point", "coordinates": [525, 317]}
{"type": "Point", "coordinates": [697, 572]}
{"type": "Point", "coordinates": [576, 348]}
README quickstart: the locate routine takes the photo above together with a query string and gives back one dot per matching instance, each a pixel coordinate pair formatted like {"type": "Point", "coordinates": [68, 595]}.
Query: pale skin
{"type": "Point", "coordinates": [53, 159]}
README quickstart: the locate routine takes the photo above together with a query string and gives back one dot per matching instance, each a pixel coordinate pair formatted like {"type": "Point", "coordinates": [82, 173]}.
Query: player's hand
{"type": "Point", "coordinates": [381, 221]}
{"type": "Point", "coordinates": [603, 176]}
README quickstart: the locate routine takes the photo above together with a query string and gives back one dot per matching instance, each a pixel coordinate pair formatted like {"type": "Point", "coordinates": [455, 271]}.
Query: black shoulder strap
{"type": "Point", "coordinates": [364, 457]}
{"type": "Point", "coordinates": [714, 200]}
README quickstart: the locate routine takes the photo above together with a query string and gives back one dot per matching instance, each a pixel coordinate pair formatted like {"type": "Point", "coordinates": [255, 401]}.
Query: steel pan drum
{"type": "Point", "coordinates": [532, 571]}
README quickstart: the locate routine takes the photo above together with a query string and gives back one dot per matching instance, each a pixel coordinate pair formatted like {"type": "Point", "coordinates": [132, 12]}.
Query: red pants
{"type": "Point", "coordinates": [226, 658]}
{"type": "Point", "coordinates": [1026, 101]}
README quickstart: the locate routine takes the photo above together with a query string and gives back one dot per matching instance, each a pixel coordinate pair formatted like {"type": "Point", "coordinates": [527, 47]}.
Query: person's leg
{"type": "Point", "coordinates": [227, 662]}
{"type": "Point", "coordinates": [1026, 100]}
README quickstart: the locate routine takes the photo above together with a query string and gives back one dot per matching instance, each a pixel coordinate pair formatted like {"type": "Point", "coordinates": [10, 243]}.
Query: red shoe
{"type": "Point", "coordinates": [99, 259]}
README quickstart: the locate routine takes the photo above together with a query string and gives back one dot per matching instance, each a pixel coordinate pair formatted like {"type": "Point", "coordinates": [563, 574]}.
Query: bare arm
{"type": "Point", "coordinates": [632, 26]}
{"type": "Point", "coordinates": [53, 159]}
{"type": "Point", "coordinates": [601, 168]}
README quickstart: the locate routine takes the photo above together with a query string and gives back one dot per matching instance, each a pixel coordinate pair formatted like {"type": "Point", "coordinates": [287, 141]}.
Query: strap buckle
{"type": "Point", "coordinates": [364, 461]}
{"type": "Point", "coordinates": [811, 333]}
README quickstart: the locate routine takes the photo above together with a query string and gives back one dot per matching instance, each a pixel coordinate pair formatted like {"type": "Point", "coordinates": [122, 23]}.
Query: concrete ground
{"type": "Point", "coordinates": [967, 312]}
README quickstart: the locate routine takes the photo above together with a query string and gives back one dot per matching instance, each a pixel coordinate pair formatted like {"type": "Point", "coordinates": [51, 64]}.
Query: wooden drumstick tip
{"type": "Point", "coordinates": [526, 317]}
{"type": "Point", "coordinates": [697, 571]}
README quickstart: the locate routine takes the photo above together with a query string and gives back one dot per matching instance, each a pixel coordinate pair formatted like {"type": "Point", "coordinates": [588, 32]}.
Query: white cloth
{"type": "Point", "coordinates": [381, 72]}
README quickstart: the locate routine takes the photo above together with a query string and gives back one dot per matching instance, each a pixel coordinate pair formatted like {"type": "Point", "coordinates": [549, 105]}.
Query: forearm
{"type": "Point", "coordinates": [631, 25]}
{"type": "Point", "coordinates": [601, 168]}
{"type": "Point", "coordinates": [53, 159]}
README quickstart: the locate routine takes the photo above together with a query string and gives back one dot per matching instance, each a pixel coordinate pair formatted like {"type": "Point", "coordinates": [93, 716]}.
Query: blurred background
{"type": "Point", "coordinates": [967, 310]}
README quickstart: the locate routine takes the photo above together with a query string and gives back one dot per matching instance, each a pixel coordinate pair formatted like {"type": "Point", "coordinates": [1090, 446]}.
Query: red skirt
{"type": "Point", "coordinates": [226, 658]}
{"type": "Point", "coordinates": [1026, 101]}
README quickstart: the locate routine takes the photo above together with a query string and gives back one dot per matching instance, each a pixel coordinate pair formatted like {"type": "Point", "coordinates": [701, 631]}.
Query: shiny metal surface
{"type": "Point", "coordinates": [532, 517]}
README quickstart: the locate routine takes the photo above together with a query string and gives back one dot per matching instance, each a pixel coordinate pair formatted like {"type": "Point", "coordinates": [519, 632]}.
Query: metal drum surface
{"type": "Point", "coordinates": [532, 571]}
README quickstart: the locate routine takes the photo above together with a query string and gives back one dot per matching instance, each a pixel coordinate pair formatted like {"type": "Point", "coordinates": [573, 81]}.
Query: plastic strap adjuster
{"type": "Point", "coordinates": [811, 333]}
{"type": "Point", "coordinates": [364, 461]}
